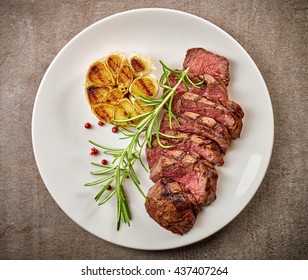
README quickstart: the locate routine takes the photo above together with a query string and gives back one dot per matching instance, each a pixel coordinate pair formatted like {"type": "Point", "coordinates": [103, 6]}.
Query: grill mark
{"type": "Point", "coordinates": [177, 158]}
{"type": "Point", "coordinates": [96, 73]}
{"type": "Point", "coordinates": [113, 65]}
{"type": "Point", "coordinates": [125, 72]}
{"type": "Point", "coordinates": [92, 97]}
{"type": "Point", "coordinates": [137, 65]}
{"type": "Point", "coordinates": [144, 86]}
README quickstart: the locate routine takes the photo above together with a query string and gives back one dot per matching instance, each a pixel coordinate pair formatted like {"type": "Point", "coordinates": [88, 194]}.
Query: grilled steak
{"type": "Point", "coordinates": [227, 113]}
{"type": "Point", "coordinates": [211, 87]}
{"type": "Point", "coordinates": [181, 88]}
{"type": "Point", "coordinates": [201, 61]}
{"type": "Point", "coordinates": [192, 143]}
{"type": "Point", "coordinates": [196, 174]}
{"type": "Point", "coordinates": [193, 123]}
{"type": "Point", "coordinates": [182, 166]}
{"type": "Point", "coordinates": [214, 88]}
{"type": "Point", "coordinates": [172, 206]}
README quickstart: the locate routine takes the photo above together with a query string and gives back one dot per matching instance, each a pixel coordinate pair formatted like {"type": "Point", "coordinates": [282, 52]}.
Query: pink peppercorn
{"type": "Point", "coordinates": [94, 151]}
{"type": "Point", "coordinates": [87, 125]}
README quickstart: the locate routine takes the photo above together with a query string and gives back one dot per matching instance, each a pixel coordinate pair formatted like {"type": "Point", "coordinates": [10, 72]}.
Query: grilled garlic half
{"type": "Point", "coordinates": [114, 83]}
{"type": "Point", "coordinates": [140, 64]}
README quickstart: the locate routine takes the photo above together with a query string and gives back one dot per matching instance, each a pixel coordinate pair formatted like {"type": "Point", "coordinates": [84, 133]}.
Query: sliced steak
{"type": "Point", "coordinates": [196, 174]}
{"type": "Point", "coordinates": [209, 88]}
{"type": "Point", "coordinates": [214, 88]}
{"type": "Point", "coordinates": [193, 143]}
{"type": "Point", "coordinates": [201, 61]}
{"type": "Point", "coordinates": [227, 113]}
{"type": "Point", "coordinates": [172, 206]}
{"type": "Point", "coordinates": [206, 121]}
{"type": "Point", "coordinates": [173, 79]}
{"type": "Point", "coordinates": [193, 123]}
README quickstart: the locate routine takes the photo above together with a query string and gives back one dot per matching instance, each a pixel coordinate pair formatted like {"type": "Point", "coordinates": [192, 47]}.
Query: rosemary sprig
{"type": "Point", "coordinates": [125, 158]}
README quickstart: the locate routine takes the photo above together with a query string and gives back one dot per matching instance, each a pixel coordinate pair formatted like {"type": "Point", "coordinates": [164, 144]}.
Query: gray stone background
{"type": "Point", "coordinates": [272, 226]}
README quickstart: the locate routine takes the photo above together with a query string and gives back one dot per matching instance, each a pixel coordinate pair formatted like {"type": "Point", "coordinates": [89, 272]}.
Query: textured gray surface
{"type": "Point", "coordinates": [272, 226]}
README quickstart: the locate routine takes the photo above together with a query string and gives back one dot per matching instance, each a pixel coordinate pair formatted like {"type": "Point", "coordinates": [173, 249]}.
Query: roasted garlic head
{"type": "Point", "coordinates": [113, 84]}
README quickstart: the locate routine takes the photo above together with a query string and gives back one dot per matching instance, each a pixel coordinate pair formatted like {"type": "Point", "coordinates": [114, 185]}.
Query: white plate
{"type": "Point", "coordinates": [60, 140]}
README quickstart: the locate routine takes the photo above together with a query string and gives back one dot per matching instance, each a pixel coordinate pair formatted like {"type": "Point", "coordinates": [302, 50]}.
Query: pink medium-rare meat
{"type": "Point", "coordinates": [172, 206]}
{"type": "Point", "coordinates": [200, 62]}
{"type": "Point", "coordinates": [210, 87]}
{"type": "Point", "coordinates": [192, 143]}
{"type": "Point", "coordinates": [227, 113]}
{"type": "Point", "coordinates": [215, 89]}
{"type": "Point", "coordinates": [181, 88]}
{"type": "Point", "coordinates": [193, 123]}
{"type": "Point", "coordinates": [196, 174]}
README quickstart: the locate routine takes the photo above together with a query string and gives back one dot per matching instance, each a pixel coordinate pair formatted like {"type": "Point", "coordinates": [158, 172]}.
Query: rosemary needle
{"type": "Point", "coordinates": [124, 158]}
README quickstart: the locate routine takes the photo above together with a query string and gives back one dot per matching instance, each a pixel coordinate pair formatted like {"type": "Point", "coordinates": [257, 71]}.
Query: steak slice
{"type": "Point", "coordinates": [193, 123]}
{"type": "Point", "coordinates": [201, 61]}
{"type": "Point", "coordinates": [172, 206]}
{"type": "Point", "coordinates": [227, 113]}
{"type": "Point", "coordinates": [211, 87]}
{"type": "Point", "coordinates": [193, 143]}
{"type": "Point", "coordinates": [181, 88]}
{"type": "Point", "coordinates": [196, 174]}
{"type": "Point", "coordinates": [214, 88]}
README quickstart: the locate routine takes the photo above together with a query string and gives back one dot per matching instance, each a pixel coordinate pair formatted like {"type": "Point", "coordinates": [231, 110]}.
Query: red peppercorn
{"type": "Point", "coordinates": [87, 125]}
{"type": "Point", "coordinates": [114, 129]}
{"type": "Point", "coordinates": [104, 161]}
{"type": "Point", "coordinates": [94, 151]}
{"type": "Point", "coordinates": [100, 123]}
